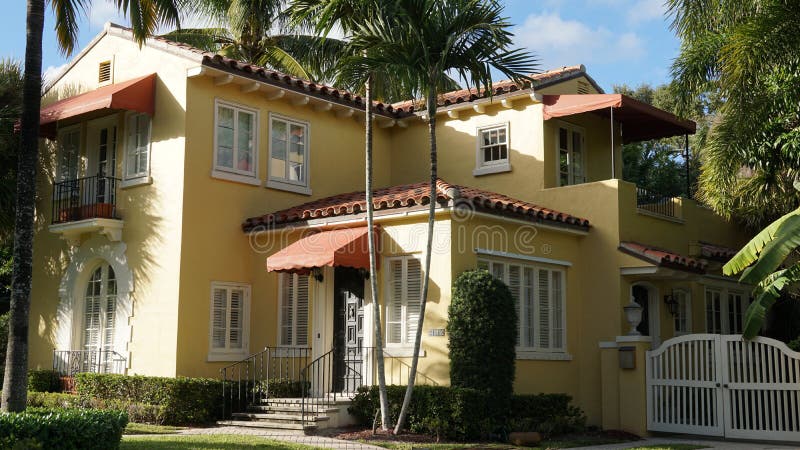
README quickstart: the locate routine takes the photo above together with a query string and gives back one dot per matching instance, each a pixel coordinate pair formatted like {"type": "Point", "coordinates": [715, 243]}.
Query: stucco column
{"type": "Point", "coordinates": [633, 383]}
{"type": "Point", "coordinates": [609, 385]}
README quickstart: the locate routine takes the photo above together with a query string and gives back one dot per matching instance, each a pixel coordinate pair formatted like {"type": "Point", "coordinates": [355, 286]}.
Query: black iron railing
{"type": "Point", "coordinates": [85, 198]}
{"type": "Point", "coordinates": [657, 203]}
{"type": "Point", "coordinates": [69, 362]}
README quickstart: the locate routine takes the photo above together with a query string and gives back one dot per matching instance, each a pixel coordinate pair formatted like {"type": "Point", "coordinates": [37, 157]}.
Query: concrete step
{"type": "Point", "coordinates": [292, 409]}
{"type": "Point", "coordinates": [268, 425]}
{"type": "Point", "coordinates": [288, 418]}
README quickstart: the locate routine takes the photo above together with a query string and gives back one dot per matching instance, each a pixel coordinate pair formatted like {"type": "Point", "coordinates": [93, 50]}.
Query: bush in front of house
{"type": "Point", "coordinates": [282, 388]}
{"type": "Point", "coordinates": [482, 337]}
{"type": "Point", "coordinates": [549, 414]}
{"type": "Point", "coordinates": [182, 401]}
{"type": "Point", "coordinates": [137, 412]}
{"type": "Point", "coordinates": [41, 428]}
{"type": "Point", "coordinates": [43, 380]}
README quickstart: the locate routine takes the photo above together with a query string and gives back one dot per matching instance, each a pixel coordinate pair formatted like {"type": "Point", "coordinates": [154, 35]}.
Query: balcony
{"type": "Point", "coordinates": [659, 205]}
{"type": "Point", "coordinates": [86, 205]}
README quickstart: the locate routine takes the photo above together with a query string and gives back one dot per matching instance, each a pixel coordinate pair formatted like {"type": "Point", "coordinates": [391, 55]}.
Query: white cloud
{"type": "Point", "coordinates": [558, 42]}
{"type": "Point", "coordinates": [646, 10]}
{"type": "Point", "coordinates": [102, 11]}
{"type": "Point", "coordinates": [51, 72]}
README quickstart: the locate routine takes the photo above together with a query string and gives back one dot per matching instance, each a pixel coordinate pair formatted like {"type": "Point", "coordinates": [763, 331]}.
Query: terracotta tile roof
{"type": "Point", "coordinates": [411, 195]}
{"type": "Point", "coordinates": [716, 252]}
{"type": "Point", "coordinates": [663, 258]}
{"type": "Point", "coordinates": [540, 80]}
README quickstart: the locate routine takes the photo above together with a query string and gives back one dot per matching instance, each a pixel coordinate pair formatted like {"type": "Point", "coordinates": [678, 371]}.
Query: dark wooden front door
{"type": "Point", "coordinates": [348, 329]}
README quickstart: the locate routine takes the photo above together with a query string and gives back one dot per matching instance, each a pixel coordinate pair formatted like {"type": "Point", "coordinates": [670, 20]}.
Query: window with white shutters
{"type": "Point", "coordinates": [539, 298]}
{"type": "Point", "coordinates": [230, 311]}
{"type": "Point", "coordinates": [724, 310]}
{"type": "Point", "coordinates": [402, 306]}
{"type": "Point", "coordinates": [293, 310]}
{"type": "Point", "coordinates": [137, 146]}
{"type": "Point", "coordinates": [100, 304]}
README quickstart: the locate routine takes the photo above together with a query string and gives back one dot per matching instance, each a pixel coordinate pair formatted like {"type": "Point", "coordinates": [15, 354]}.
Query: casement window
{"type": "Point", "coordinates": [492, 150]}
{"type": "Point", "coordinates": [402, 304]}
{"type": "Point", "coordinates": [68, 154]}
{"type": "Point", "coordinates": [571, 154]}
{"type": "Point", "coordinates": [724, 310]}
{"type": "Point", "coordinates": [289, 154]}
{"type": "Point", "coordinates": [230, 319]}
{"type": "Point", "coordinates": [236, 143]}
{"type": "Point", "coordinates": [683, 316]}
{"type": "Point", "coordinates": [539, 296]}
{"type": "Point", "coordinates": [293, 323]}
{"type": "Point", "coordinates": [137, 147]}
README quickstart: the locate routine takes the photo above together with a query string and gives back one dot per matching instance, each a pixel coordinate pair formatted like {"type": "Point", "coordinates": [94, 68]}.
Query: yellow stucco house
{"type": "Point", "coordinates": [196, 210]}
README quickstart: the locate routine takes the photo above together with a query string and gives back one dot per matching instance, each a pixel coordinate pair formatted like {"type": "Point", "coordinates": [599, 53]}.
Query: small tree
{"type": "Point", "coordinates": [483, 333]}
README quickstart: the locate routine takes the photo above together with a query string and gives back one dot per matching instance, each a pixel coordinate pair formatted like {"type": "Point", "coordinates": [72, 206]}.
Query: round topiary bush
{"type": "Point", "coordinates": [482, 327]}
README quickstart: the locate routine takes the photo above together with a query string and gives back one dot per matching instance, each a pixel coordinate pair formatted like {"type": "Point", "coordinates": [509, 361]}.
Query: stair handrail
{"type": "Point", "coordinates": [306, 399]}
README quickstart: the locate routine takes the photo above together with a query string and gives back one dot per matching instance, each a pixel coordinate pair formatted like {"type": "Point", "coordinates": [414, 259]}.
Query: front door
{"type": "Point", "coordinates": [348, 329]}
{"type": "Point", "coordinates": [102, 150]}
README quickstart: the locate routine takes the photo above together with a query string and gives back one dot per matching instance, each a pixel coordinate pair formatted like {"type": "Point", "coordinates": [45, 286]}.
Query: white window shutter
{"type": "Point", "coordinates": [394, 306]}
{"type": "Point", "coordinates": [558, 310]}
{"type": "Point", "coordinates": [286, 305]}
{"type": "Point", "coordinates": [413, 296]}
{"type": "Point", "coordinates": [528, 316]}
{"type": "Point", "coordinates": [235, 319]}
{"type": "Point", "coordinates": [301, 316]}
{"type": "Point", "coordinates": [218, 317]}
{"type": "Point", "coordinates": [544, 308]}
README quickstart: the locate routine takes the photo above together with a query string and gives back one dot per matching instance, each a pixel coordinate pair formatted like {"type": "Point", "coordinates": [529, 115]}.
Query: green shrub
{"type": "Point", "coordinates": [483, 337]}
{"type": "Point", "coordinates": [62, 429]}
{"type": "Point", "coordinates": [54, 400]}
{"type": "Point", "coordinates": [283, 388]}
{"type": "Point", "coordinates": [182, 401]}
{"type": "Point", "coordinates": [137, 412]}
{"type": "Point", "coordinates": [447, 412]}
{"type": "Point", "coordinates": [794, 344]}
{"type": "Point", "coordinates": [549, 414]}
{"type": "Point", "coordinates": [45, 380]}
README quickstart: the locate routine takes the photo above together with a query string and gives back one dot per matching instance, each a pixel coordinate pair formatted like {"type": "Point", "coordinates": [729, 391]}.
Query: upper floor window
{"type": "Point", "coordinates": [539, 297]}
{"type": "Point", "coordinates": [230, 317]}
{"type": "Point", "coordinates": [137, 147]}
{"type": "Point", "coordinates": [293, 310]}
{"type": "Point", "coordinates": [724, 311]}
{"type": "Point", "coordinates": [683, 315]}
{"type": "Point", "coordinates": [402, 305]}
{"type": "Point", "coordinates": [288, 162]}
{"type": "Point", "coordinates": [68, 154]}
{"type": "Point", "coordinates": [493, 151]}
{"type": "Point", "coordinates": [571, 155]}
{"type": "Point", "coordinates": [236, 141]}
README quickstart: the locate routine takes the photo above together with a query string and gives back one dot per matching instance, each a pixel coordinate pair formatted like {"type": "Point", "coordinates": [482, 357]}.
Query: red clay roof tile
{"type": "Point", "coordinates": [663, 258]}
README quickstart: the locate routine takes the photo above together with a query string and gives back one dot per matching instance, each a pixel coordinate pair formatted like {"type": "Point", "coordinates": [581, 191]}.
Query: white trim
{"type": "Point", "coordinates": [653, 309]}
{"type": "Point", "coordinates": [309, 318]}
{"type": "Point", "coordinates": [279, 185]}
{"type": "Point", "coordinates": [133, 182]}
{"type": "Point", "coordinates": [58, 176]}
{"type": "Point", "coordinates": [539, 259]}
{"type": "Point", "coordinates": [688, 312]}
{"type": "Point", "coordinates": [217, 354]}
{"type": "Point", "coordinates": [236, 107]}
{"type": "Point", "coordinates": [283, 183]}
{"type": "Point", "coordinates": [404, 300]}
{"type": "Point", "coordinates": [487, 167]}
{"type": "Point", "coordinates": [607, 344]}
{"type": "Point", "coordinates": [629, 339]}
{"type": "Point", "coordinates": [136, 179]}
{"type": "Point", "coordinates": [542, 356]}
{"type": "Point", "coordinates": [571, 128]}
{"type": "Point", "coordinates": [235, 177]}
{"type": "Point", "coordinates": [72, 231]}
{"type": "Point", "coordinates": [494, 168]}
{"type": "Point", "coordinates": [724, 304]}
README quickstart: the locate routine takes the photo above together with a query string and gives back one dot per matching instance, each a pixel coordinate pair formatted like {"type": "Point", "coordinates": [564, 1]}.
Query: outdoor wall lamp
{"type": "Point", "coordinates": [672, 303]}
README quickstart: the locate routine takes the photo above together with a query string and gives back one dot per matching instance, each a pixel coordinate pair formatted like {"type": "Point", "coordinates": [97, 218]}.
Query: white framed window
{"type": "Point", "coordinates": [404, 289]}
{"type": "Point", "coordinates": [540, 297]}
{"type": "Point", "coordinates": [683, 315]}
{"type": "Point", "coordinates": [493, 152]}
{"type": "Point", "coordinates": [230, 321]}
{"type": "Point", "coordinates": [235, 142]}
{"type": "Point", "coordinates": [288, 154]}
{"type": "Point", "coordinates": [570, 154]}
{"type": "Point", "coordinates": [68, 153]}
{"type": "Point", "coordinates": [725, 310]}
{"type": "Point", "coordinates": [293, 310]}
{"type": "Point", "coordinates": [137, 147]}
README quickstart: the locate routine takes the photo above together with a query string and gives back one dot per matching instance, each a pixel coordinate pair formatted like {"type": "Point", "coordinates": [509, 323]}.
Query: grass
{"type": "Point", "coordinates": [143, 428]}
{"type": "Point", "coordinates": [550, 444]}
{"type": "Point", "coordinates": [670, 447]}
{"type": "Point", "coordinates": [206, 442]}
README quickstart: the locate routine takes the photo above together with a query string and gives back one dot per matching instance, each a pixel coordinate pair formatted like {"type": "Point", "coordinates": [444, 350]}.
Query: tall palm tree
{"type": "Point", "coordinates": [425, 40]}
{"type": "Point", "coordinates": [145, 15]}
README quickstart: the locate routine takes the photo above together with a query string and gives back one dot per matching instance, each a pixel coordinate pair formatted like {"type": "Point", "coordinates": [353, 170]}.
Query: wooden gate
{"type": "Point", "coordinates": [722, 385]}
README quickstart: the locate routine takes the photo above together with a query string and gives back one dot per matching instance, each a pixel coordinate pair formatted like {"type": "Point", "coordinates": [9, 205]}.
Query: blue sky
{"type": "Point", "coordinates": [619, 41]}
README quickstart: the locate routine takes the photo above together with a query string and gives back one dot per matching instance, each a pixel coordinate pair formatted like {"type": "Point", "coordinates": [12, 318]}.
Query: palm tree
{"type": "Point", "coordinates": [425, 40]}
{"type": "Point", "coordinates": [145, 16]}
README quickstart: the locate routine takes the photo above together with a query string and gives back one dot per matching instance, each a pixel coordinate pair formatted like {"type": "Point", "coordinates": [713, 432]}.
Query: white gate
{"type": "Point", "coordinates": [722, 385]}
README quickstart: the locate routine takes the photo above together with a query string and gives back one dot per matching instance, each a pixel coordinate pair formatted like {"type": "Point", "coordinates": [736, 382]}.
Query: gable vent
{"type": "Point", "coordinates": [583, 87]}
{"type": "Point", "coordinates": [104, 72]}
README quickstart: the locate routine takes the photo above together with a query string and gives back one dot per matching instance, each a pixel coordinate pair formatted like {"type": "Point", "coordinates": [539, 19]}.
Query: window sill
{"type": "Point", "coordinates": [238, 356]}
{"type": "Point", "coordinates": [133, 182]}
{"type": "Point", "coordinates": [490, 169]}
{"type": "Point", "coordinates": [235, 177]}
{"type": "Point", "coordinates": [288, 187]}
{"type": "Point", "coordinates": [543, 356]}
{"type": "Point", "coordinates": [402, 352]}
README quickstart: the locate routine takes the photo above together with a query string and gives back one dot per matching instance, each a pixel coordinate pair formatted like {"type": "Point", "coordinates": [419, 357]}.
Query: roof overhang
{"type": "Point", "coordinates": [642, 122]}
{"type": "Point", "coordinates": [345, 247]}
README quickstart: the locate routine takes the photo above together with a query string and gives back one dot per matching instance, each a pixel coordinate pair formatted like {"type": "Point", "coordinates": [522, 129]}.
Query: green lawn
{"type": "Point", "coordinates": [553, 444]}
{"type": "Point", "coordinates": [205, 442]}
{"type": "Point", "coordinates": [143, 428]}
{"type": "Point", "coordinates": [670, 447]}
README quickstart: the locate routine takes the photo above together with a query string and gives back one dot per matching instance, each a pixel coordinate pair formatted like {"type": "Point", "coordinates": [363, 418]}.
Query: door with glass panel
{"type": "Point", "coordinates": [99, 316]}
{"type": "Point", "coordinates": [102, 146]}
{"type": "Point", "coordinates": [571, 156]}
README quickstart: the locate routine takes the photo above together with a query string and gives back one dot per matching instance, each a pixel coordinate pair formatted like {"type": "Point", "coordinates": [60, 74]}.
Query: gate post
{"type": "Point", "coordinates": [624, 383]}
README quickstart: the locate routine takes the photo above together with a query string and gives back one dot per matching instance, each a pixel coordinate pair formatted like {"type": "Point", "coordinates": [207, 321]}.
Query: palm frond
{"type": "Point", "coordinates": [767, 292]}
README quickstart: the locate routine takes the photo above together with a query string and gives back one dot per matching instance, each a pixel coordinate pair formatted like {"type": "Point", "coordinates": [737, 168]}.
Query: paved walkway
{"type": "Point", "coordinates": [707, 443]}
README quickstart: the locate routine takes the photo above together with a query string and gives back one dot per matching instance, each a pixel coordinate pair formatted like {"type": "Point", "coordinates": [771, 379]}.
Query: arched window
{"type": "Point", "coordinates": [100, 305]}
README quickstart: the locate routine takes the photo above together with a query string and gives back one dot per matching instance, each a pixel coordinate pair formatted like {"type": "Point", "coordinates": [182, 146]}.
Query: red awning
{"type": "Point", "coordinates": [346, 247]}
{"type": "Point", "coordinates": [132, 95]}
{"type": "Point", "coordinates": [641, 122]}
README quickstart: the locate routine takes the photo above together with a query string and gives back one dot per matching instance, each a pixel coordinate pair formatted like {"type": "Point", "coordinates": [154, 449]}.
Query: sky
{"type": "Point", "coordinates": [619, 41]}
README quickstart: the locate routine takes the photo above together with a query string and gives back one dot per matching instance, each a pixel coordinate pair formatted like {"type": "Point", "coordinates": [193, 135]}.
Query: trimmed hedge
{"type": "Point", "coordinates": [43, 380]}
{"type": "Point", "coordinates": [137, 412]}
{"type": "Point", "coordinates": [173, 401]}
{"type": "Point", "coordinates": [283, 388]}
{"type": "Point", "coordinates": [62, 429]}
{"type": "Point", "coordinates": [549, 414]}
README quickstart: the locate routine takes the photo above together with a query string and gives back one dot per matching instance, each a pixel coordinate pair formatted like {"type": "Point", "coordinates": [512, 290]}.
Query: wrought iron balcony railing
{"type": "Point", "coordinates": [658, 203]}
{"type": "Point", "coordinates": [85, 198]}
{"type": "Point", "coordinates": [69, 362]}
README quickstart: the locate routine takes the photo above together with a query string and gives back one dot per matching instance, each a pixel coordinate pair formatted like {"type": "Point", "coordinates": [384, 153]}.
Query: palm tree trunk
{"type": "Point", "coordinates": [412, 375]}
{"type": "Point", "coordinates": [373, 273]}
{"type": "Point", "coordinates": [16, 373]}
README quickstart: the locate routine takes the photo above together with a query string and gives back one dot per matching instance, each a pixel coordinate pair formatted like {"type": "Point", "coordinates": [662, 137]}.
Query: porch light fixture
{"type": "Point", "coordinates": [316, 272]}
{"type": "Point", "coordinates": [672, 303]}
{"type": "Point", "coordinates": [633, 313]}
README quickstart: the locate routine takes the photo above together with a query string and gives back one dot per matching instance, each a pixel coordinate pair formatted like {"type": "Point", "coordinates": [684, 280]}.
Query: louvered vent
{"type": "Point", "coordinates": [104, 72]}
{"type": "Point", "coordinates": [583, 87]}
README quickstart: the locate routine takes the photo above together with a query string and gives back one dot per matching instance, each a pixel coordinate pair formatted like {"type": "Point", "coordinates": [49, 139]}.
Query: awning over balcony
{"type": "Point", "coordinates": [641, 122]}
{"type": "Point", "coordinates": [346, 247]}
{"type": "Point", "coordinates": [132, 95]}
